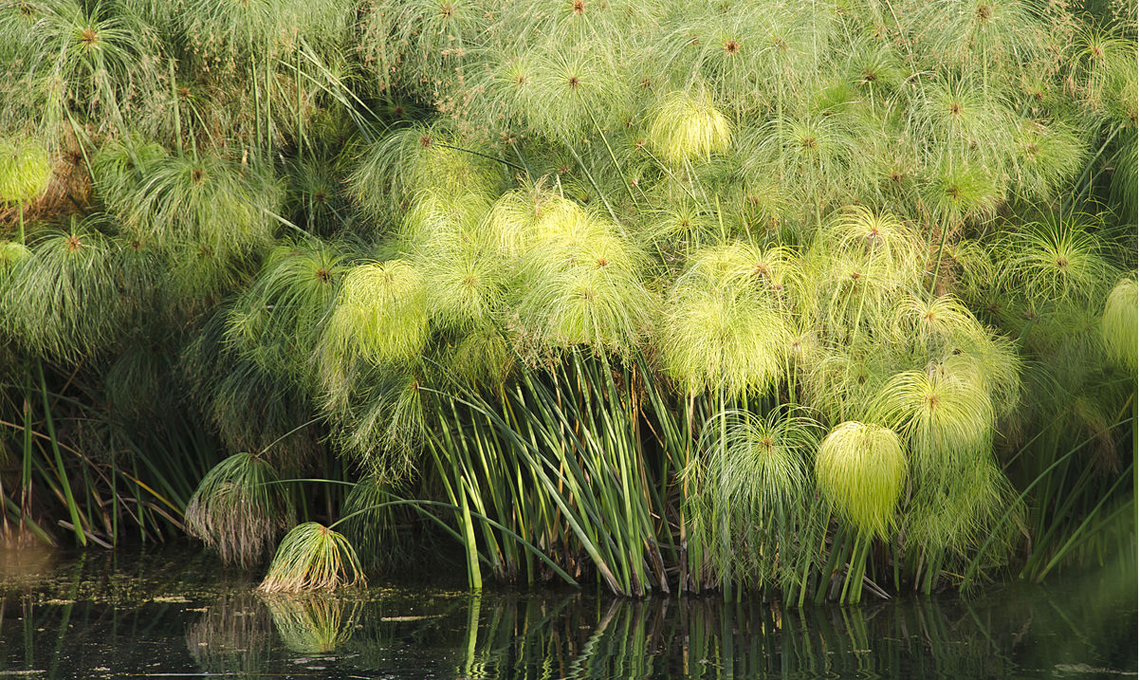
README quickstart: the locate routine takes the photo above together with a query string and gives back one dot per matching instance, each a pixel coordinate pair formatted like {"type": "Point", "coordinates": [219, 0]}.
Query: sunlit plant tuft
{"type": "Point", "coordinates": [25, 171]}
{"type": "Point", "coordinates": [379, 314]}
{"type": "Point", "coordinates": [861, 469]}
{"type": "Point", "coordinates": [313, 557]}
{"type": "Point", "coordinates": [1118, 324]}
{"type": "Point", "coordinates": [688, 127]}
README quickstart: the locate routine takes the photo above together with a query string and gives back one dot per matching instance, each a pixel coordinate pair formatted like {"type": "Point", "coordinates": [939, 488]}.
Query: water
{"type": "Point", "coordinates": [176, 613]}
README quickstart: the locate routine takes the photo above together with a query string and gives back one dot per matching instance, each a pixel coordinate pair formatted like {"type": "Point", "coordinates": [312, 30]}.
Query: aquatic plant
{"type": "Point", "coordinates": [64, 298]}
{"type": "Point", "coordinates": [861, 469]}
{"type": "Point", "coordinates": [25, 171]}
{"type": "Point", "coordinates": [380, 314]}
{"type": "Point", "coordinates": [1118, 324]}
{"type": "Point", "coordinates": [558, 272]}
{"type": "Point", "coordinates": [687, 128]}
{"type": "Point", "coordinates": [312, 557]}
{"type": "Point", "coordinates": [721, 328]}
{"type": "Point", "coordinates": [239, 509]}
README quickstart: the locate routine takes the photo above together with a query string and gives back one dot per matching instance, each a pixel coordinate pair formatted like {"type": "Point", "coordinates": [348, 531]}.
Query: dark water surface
{"type": "Point", "coordinates": [176, 613]}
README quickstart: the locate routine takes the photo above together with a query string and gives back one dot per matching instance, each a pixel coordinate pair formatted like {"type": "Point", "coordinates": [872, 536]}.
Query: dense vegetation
{"type": "Point", "coordinates": [814, 297]}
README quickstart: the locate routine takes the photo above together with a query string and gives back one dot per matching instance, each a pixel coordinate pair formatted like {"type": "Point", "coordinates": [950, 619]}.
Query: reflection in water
{"type": "Point", "coordinates": [314, 623]}
{"type": "Point", "coordinates": [234, 635]}
{"type": "Point", "coordinates": [62, 627]}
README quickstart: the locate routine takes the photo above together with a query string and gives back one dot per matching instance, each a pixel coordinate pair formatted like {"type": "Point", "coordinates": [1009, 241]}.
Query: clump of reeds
{"type": "Point", "coordinates": [239, 509]}
{"type": "Point", "coordinates": [313, 557]}
{"type": "Point", "coordinates": [861, 468]}
{"type": "Point", "coordinates": [1118, 324]}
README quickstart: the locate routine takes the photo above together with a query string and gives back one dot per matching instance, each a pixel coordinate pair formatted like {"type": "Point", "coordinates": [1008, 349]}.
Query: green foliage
{"type": "Point", "coordinates": [380, 314]}
{"type": "Point", "coordinates": [64, 298]}
{"type": "Point", "coordinates": [585, 281]}
{"type": "Point", "coordinates": [757, 480]}
{"type": "Point", "coordinates": [1118, 324]}
{"type": "Point", "coordinates": [687, 128]}
{"type": "Point", "coordinates": [722, 325]}
{"type": "Point", "coordinates": [209, 201]}
{"type": "Point", "coordinates": [25, 171]}
{"type": "Point", "coordinates": [861, 469]}
{"type": "Point", "coordinates": [312, 557]}
{"type": "Point", "coordinates": [239, 509]}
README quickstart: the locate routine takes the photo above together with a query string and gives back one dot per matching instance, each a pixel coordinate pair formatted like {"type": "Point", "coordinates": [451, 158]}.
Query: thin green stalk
{"type": "Point", "coordinates": [177, 108]}
{"type": "Point", "coordinates": [72, 508]}
{"type": "Point", "coordinates": [613, 158]}
{"type": "Point", "coordinates": [593, 183]}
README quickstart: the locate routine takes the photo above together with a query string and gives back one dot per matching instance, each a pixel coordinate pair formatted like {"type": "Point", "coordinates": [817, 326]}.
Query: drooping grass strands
{"type": "Point", "coordinates": [1046, 158]}
{"type": "Point", "coordinates": [986, 36]}
{"type": "Point", "coordinates": [1059, 260]}
{"type": "Point", "coordinates": [231, 36]}
{"type": "Point", "coordinates": [313, 557]}
{"type": "Point", "coordinates": [861, 469]}
{"type": "Point", "coordinates": [841, 380]}
{"type": "Point", "coordinates": [857, 266]}
{"type": "Point", "coordinates": [944, 411]}
{"type": "Point", "coordinates": [275, 321]}
{"type": "Point", "coordinates": [960, 124]}
{"type": "Point", "coordinates": [686, 127]}
{"type": "Point", "coordinates": [90, 58]}
{"type": "Point", "coordinates": [952, 511]}
{"type": "Point", "coordinates": [406, 161]}
{"type": "Point", "coordinates": [133, 383]}
{"type": "Point", "coordinates": [817, 159]}
{"type": "Point", "coordinates": [996, 360]}
{"type": "Point", "coordinates": [598, 299]}
{"type": "Point", "coordinates": [880, 238]}
{"type": "Point", "coordinates": [935, 323]}
{"type": "Point", "coordinates": [760, 477]}
{"type": "Point", "coordinates": [963, 191]}
{"type": "Point", "coordinates": [239, 509]}
{"type": "Point", "coordinates": [25, 170]}
{"type": "Point", "coordinates": [120, 167]}
{"type": "Point", "coordinates": [421, 45]}
{"type": "Point", "coordinates": [198, 277]}
{"type": "Point", "coordinates": [575, 92]}
{"type": "Point", "coordinates": [380, 419]}
{"type": "Point", "coordinates": [434, 213]}
{"type": "Point", "coordinates": [372, 524]}
{"type": "Point", "coordinates": [481, 356]}
{"type": "Point", "coordinates": [208, 200]}
{"type": "Point", "coordinates": [11, 253]}
{"type": "Point", "coordinates": [1118, 323]}
{"type": "Point", "coordinates": [466, 283]}
{"type": "Point", "coordinates": [722, 322]}
{"type": "Point", "coordinates": [315, 198]}
{"type": "Point", "coordinates": [64, 299]}
{"type": "Point", "coordinates": [380, 314]}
